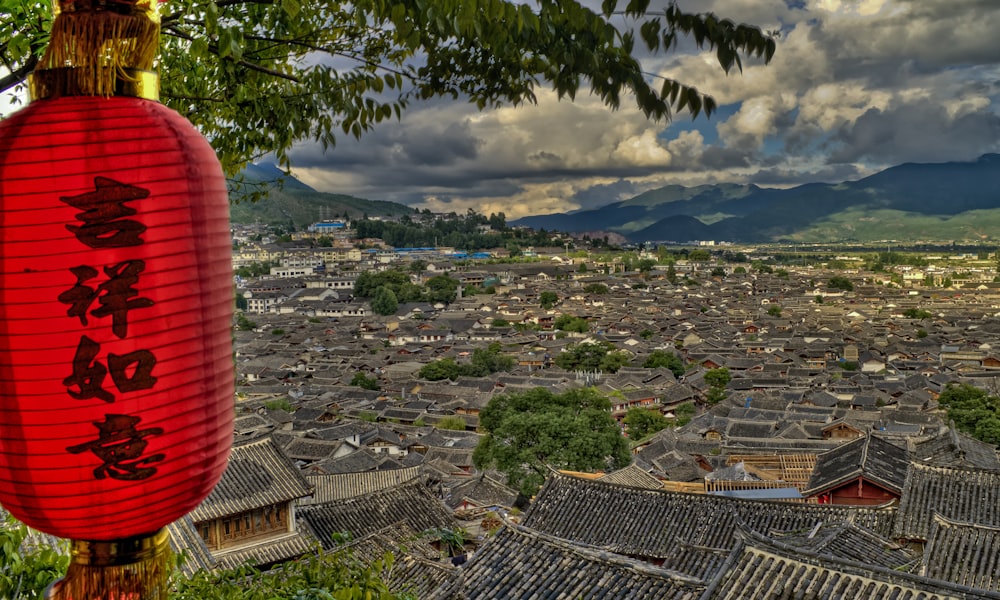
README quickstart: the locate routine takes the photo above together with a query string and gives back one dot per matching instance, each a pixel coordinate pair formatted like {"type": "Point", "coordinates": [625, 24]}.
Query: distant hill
{"type": "Point", "coordinates": [292, 200]}
{"type": "Point", "coordinates": [939, 201]}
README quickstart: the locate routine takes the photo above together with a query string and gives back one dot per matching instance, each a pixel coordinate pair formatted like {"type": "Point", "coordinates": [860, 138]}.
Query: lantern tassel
{"type": "Point", "coordinates": [135, 568]}
{"type": "Point", "coordinates": [95, 45]}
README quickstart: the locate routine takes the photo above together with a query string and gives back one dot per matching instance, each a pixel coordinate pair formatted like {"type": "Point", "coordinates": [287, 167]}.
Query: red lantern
{"type": "Point", "coordinates": [116, 369]}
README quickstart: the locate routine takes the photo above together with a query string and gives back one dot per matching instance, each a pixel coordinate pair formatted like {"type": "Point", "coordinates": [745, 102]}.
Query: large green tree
{"type": "Point", "coordinates": [591, 356]}
{"type": "Point", "coordinates": [642, 422]}
{"type": "Point", "coordinates": [385, 302]}
{"type": "Point", "coordinates": [662, 358]}
{"type": "Point", "coordinates": [257, 76]}
{"type": "Point", "coordinates": [528, 433]}
{"type": "Point", "coordinates": [973, 411]}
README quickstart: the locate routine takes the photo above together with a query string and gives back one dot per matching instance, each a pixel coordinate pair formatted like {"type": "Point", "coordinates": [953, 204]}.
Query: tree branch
{"type": "Point", "coordinates": [214, 48]}
{"type": "Point", "coordinates": [19, 75]}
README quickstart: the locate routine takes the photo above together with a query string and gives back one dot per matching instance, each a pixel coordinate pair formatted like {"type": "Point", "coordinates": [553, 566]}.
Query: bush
{"type": "Point", "coordinates": [453, 423]}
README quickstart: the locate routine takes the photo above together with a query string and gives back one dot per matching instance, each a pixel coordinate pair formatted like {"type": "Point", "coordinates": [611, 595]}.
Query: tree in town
{"type": "Point", "coordinates": [840, 283]}
{"type": "Point", "coordinates": [243, 323]}
{"type": "Point", "coordinates": [717, 380]}
{"type": "Point", "coordinates": [452, 422]}
{"type": "Point", "coordinates": [567, 322]}
{"type": "Point", "coordinates": [774, 310]}
{"type": "Point", "coordinates": [642, 422]}
{"type": "Point", "coordinates": [645, 265]}
{"type": "Point", "coordinates": [662, 358]}
{"type": "Point", "coordinates": [683, 414]}
{"type": "Point", "coordinates": [484, 362]}
{"type": "Point", "coordinates": [257, 76]}
{"type": "Point", "coordinates": [365, 381]}
{"type": "Point", "coordinates": [489, 360]}
{"type": "Point", "coordinates": [718, 377]}
{"type": "Point", "coordinates": [441, 288]}
{"type": "Point", "coordinates": [591, 356]}
{"type": "Point", "coordinates": [595, 288]}
{"type": "Point", "coordinates": [385, 303]}
{"type": "Point", "coordinates": [548, 299]}
{"type": "Point", "coordinates": [368, 282]}
{"type": "Point", "coordinates": [973, 411]}
{"type": "Point", "coordinates": [529, 433]}
{"type": "Point", "coordinates": [444, 368]}
{"type": "Point", "coordinates": [671, 274]}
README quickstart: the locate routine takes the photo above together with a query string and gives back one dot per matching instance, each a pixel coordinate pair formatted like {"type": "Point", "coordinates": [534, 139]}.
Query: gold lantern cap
{"type": "Point", "coordinates": [100, 48]}
{"type": "Point", "coordinates": [135, 567]}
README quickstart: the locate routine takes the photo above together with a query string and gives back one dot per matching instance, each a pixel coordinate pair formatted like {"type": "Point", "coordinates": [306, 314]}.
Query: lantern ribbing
{"type": "Point", "coordinates": [116, 372]}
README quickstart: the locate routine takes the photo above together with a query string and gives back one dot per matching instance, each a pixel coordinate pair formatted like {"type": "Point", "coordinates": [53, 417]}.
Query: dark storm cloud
{"type": "Point", "coordinates": [916, 133]}
{"type": "Point", "coordinates": [603, 194]}
{"type": "Point", "coordinates": [829, 174]}
{"type": "Point", "coordinates": [856, 86]}
{"type": "Point", "coordinates": [717, 158]}
{"type": "Point", "coordinates": [426, 144]}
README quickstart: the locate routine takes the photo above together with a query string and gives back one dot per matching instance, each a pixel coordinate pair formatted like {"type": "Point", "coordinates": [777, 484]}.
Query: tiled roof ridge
{"type": "Point", "coordinates": [599, 553]}
{"type": "Point", "coordinates": [757, 543]}
{"type": "Point", "coordinates": [408, 487]}
{"type": "Point", "coordinates": [953, 470]}
{"type": "Point", "coordinates": [851, 510]}
{"type": "Point", "coordinates": [943, 521]}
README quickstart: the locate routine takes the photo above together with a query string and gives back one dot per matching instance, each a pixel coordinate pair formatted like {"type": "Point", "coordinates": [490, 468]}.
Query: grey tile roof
{"type": "Point", "coordinates": [258, 475]}
{"type": "Point", "coordinates": [361, 515]}
{"type": "Point", "coordinates": [648, 523]}
{"type": "Point", "coordinates": [849, 542]}
{"type": "Point", "coordinates": [632, 476]}
{"type": "Point", "coordinates": [416, 569]}
{"type": "Point", "coordinates": [268, 551]}
{"type": "Point", "coordinates": [309, 449]}
{"type": "Point", "coordinates": [520, 563]}
{"type": "Point", "coordinates": [967, 495]}
{"type": "Point", "coordinates": [870, 457]}
{"type": "Point", "coordinates": [398, 538]}
{"type": "Point", "coordinates": [189, 546]}
{"type": "Point", "coordinates": [761, 571]}
{"type": "Point", "coordinates": [355, 462]}
{"type": "Point", "coordinates": [963, 553]}
{"type": "Point", "coordinates": [949, 448]}
{"type": "Point", "coordinates": [481, 491]}
{"type": "Point", "coordinates": [330, 487]}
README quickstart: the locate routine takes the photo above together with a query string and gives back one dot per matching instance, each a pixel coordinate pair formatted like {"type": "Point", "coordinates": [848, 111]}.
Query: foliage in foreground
{"type": "Point", "coordinates": [530, 432]}
{"type": "Point", "coordinates": [322, 576]}
{"type": "Point", "coordinates": [26, 574]}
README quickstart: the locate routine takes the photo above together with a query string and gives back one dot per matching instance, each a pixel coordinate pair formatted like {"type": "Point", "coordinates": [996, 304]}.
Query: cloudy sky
{"type": "Point", "coordinates": [855, 86]}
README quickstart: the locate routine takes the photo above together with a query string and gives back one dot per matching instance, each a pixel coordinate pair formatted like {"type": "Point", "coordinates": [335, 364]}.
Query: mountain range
{"type": "Point", "coordinates": [268, 195]}
{"type": "Point", "coordinates": [914, 202]}
{"type": "Point", "coordinates": [934, 202]}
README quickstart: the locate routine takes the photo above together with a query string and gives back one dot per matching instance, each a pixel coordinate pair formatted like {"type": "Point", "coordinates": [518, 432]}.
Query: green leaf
{"type": "Point", "coordinates": [291, 7]}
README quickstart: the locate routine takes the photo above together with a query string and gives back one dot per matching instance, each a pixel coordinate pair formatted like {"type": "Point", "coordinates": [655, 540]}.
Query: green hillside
{"type": "Point", "coordinates": [858, 224]}
{"type": "Point", "coordinates": [294, 201]}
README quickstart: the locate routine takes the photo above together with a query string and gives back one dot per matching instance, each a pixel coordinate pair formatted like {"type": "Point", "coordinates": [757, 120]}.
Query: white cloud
{"type": "Point", "coordinates": [855, 85]}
